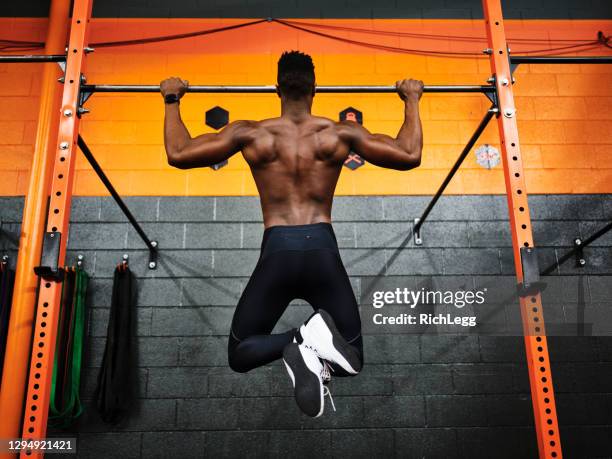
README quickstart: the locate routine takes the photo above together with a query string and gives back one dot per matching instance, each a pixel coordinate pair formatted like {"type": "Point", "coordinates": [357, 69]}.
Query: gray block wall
{"type": "Point", "coordinates": [432, 9]}
{"type": "Point", "coordinates": [419, 395]}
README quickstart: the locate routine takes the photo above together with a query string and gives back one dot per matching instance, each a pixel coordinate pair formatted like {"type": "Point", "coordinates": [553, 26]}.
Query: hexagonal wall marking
{"type": "Point", "coordinates": [218, 166]}
{"type": "Point", "coordinates": [217, 117]}
{"type": "Point", "coordinates": [353, 161]}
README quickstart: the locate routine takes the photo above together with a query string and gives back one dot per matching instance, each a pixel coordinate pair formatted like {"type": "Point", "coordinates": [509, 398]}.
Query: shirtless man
{"type": "Point", "coordinates": [296, 160]}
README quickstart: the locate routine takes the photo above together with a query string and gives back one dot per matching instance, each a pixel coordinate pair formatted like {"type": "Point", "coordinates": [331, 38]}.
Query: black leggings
{"type": "Point", "coordinates": [299, 261]}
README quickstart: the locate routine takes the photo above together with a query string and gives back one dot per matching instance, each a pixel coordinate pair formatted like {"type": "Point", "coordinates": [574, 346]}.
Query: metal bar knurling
{"type": "Point", "coordinates": [47, 312]}
{"type": "Point", "coordinates": [538, 362]}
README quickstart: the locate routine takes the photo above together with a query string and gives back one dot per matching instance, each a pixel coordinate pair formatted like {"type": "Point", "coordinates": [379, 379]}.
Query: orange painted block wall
{"type": "Point", "coordinates": [564, 111]}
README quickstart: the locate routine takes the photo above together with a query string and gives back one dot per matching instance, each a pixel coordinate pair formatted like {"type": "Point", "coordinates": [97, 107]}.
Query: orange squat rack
{"type": "Point", "coordinates": [42, 342]}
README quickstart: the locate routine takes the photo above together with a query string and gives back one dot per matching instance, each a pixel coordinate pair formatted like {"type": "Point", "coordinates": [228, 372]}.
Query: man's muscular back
{"type": "Point", "coordinates": [296, 166]}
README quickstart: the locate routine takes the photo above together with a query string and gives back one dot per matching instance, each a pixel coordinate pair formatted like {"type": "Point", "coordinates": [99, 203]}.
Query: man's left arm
{"type": "Point", "coordinates": [185, 152]}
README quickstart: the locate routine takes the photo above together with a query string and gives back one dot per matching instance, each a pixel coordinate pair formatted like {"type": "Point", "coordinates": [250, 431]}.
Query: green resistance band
{"type": "Point", "coordinates": [63, 412]}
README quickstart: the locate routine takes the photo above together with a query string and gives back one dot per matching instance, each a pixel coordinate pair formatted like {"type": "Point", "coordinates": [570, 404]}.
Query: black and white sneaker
{"type": "Point", "coordinates": [308, 375]}
{"type": "Point", "coordinates": [319, 333]}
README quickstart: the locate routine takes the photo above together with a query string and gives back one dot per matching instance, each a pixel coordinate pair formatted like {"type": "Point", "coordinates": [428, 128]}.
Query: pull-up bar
{"type": "Point", "coordinates": [92, 88]}
{"type": "Point", "coordinates": [29, 58]}
{"type": "Point", "coordinates": [561, 59]}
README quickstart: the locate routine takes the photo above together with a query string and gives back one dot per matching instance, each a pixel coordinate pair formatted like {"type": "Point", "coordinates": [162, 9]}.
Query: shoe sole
{"type": "Point", "coordinates": [308, 389]}
{"type": "Point", "coordinates": [343, 353]}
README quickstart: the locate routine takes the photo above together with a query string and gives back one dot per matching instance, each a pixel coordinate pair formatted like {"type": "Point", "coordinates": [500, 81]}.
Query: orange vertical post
{"type": "Point", "coordinates": [33, 226]}
{"type": "Point", "coordinates": [538, 362]}
{"type": "Point", "coordinates": [43, 344]}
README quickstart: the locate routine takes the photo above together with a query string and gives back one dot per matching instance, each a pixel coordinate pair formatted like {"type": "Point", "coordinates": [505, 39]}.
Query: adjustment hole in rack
{"type": "Point", "coordinates": [542, 369]}
{"type": "Point", "coordinates": [44, 314]}
{"type": "Point", "coordinates": [519, 191]}
{"type": "Point", "coordinates": [60, 176]}
{"type": "Point", "coordinates": [526, 244]}
{"type": "Point", "coordinates": [539, 339]}
{"type": "Point", "coordinates": [549, 421]}
{"type": "Point", "coordinates": [521, 209]}
{"type": "Point", "coordinates": [524, 226]}
{"type": "Point", "coordinates": [516, 174]}
{"type": "Point", "coordinates": [38, 365]}
{"type": "Point", "coordinates": [534, 309]}
{"type": "Point", "coordinates": [36, 386]}
{"type": "Point", "coordinates": [547, 400]}
{"type": "Point", "coordinates": [547, 410]}
{"type": "Point", "coordinates": [48, 284]}
{"type": "Point", "coordinates": [58, 193]}
{"type": "Point", "coordinates": [32, 418]}
{"type": "Point", "coordinates": [31, 430]}
{"type": "Point", "coordinates": [45, 304]}
{"type": "Point", "coordinates": [56, 211]}
{"type": "Point", "coordinates": [537, 329]}
{"type": "Point", "coordinates": [515, 158]}
{"type": "Point", "coordinates": [545, 390]}
{"type": "Point", "coordinates": [33, 407]}
{"type": "Point", "coordinates": [54, 229]}
{"type": "Point", "coordinates": [513, 144]}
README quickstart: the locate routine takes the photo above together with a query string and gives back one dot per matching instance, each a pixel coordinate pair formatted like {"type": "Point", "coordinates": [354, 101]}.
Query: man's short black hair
{"type": "Point", "coordinates": [296, 77]}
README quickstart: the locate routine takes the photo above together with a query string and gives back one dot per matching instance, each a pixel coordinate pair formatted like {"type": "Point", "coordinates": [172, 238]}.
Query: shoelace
{"type": "Point", "coordinates": [326, 377]}
{"type": "Point", "coordinates": [331, 399]}
{"type": "Point", "coordinates": [326, 372]}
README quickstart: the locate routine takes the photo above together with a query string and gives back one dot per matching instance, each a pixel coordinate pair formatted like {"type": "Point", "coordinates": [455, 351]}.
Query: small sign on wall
{"type": "Point", "coordinates": [487, 156]}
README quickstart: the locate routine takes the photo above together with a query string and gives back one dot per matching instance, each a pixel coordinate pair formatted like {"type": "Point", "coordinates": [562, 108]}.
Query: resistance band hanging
{"type": "Point", "coordinates": [115, 390]}
{"type": "Point", "coordinates": [7, 280]}
{"type": "Point", "coordinates": [65, 403]}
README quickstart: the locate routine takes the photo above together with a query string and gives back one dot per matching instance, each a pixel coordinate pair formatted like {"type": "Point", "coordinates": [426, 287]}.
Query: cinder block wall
{"type": "Point", "coordinates": [418, 396]}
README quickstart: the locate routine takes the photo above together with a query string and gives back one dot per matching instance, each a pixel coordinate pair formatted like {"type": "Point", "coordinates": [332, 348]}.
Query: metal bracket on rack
{"type": "Point", "coordinates": [531, 284]}
{"type": "Point", "coordinates": [492, 96]}
{"type": "Point", "coordinates": [49, 268]}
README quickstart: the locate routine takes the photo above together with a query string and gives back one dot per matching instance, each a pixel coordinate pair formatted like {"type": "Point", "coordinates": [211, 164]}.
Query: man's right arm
{"type": "Point", "coordinates": [402, 152]}
{"type": "Point", "coordinates": [186, 152]}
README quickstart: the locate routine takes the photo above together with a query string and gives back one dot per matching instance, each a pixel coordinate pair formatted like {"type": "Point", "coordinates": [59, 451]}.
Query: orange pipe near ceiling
{"type": "Point", "coordinates": [19, 338]}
